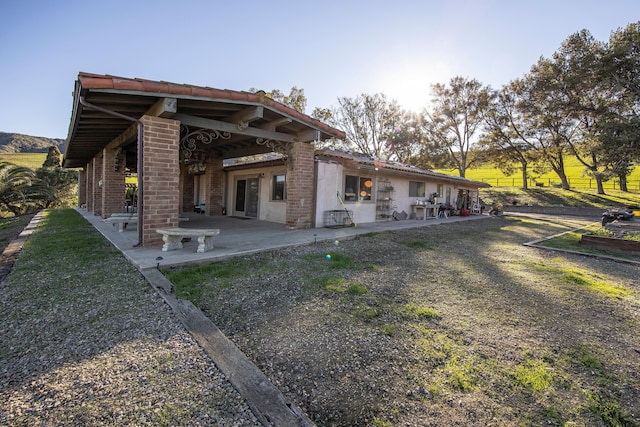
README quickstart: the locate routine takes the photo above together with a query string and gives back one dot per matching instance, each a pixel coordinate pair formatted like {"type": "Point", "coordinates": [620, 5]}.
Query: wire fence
{"type": "Point", "coordinates": [613, 184]}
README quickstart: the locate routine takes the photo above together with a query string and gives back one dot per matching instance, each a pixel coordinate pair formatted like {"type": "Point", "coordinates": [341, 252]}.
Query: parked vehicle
{"type": "Point", "coordinates": [613, 214]}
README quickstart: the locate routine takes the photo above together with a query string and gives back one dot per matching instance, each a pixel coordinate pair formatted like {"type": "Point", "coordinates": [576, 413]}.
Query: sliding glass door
{"type": "Point", "coordinates": [247, 197]}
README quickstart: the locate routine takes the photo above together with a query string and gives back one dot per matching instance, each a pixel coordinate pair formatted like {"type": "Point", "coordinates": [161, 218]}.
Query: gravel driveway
{"type": "Point", "coordinates": [454, 324]}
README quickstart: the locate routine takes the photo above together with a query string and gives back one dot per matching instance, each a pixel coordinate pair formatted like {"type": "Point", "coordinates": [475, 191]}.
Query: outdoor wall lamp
{"type": "Point", "coordinates": [100, 183]}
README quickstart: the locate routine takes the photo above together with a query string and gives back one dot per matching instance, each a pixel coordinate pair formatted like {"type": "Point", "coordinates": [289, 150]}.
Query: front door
{"type": "Point", "coordinates": [247, 197]}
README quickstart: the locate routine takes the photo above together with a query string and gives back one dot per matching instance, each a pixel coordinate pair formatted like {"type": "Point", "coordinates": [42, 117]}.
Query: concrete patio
{"type": "Point", "coordinates": [240, 237]}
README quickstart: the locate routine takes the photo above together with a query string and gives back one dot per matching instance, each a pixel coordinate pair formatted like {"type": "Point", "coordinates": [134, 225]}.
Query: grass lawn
{"type": "Point", "coordinates": [573, 168]}
{"type": "Point", "coordinates": [559, 197]}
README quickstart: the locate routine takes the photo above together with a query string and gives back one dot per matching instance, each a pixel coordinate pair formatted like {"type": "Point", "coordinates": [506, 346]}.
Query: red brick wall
{"type": "Point", "coordinates": [300, 182]}
{"type": "Point", "coordinates": [214, 186]}
{"type": "Point", "coordinates": [161, 177]}
{"type": "Point", "coordinates": [89, 187]}
{"type": "Point", "coordinates": [97, 190]}
{"type": "Point", "coordinates": [187, 185]}
{"type": "Point", "coordinates": [82, 187]}
{"type": "Point", "coordinates": [113, 183]}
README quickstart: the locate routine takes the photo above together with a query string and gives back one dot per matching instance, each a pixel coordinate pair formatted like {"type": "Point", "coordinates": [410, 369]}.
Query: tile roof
{"type": "Point", "coordinates": [90, 81]}
{"type": "Point", "coordinates": [389, 165]}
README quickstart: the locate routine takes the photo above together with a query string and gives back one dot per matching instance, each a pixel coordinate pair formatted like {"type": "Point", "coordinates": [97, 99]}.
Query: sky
{"type": "Point", "coordinates": [329, 48]}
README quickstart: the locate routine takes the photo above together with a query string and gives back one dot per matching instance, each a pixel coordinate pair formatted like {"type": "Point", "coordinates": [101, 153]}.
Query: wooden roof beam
{"type": "Point", "coordinates": [309, 135]}
{"type": "Point", "coordinates": [244, 117]}
{"type": "Point", "coordinates": [234, 129]}
{"type": "Point", "coordinates": [124, 138]}
{"type": "Point", "coordinates": [165, 108]}
{"type": "Point", "coordinates": [272, 125]}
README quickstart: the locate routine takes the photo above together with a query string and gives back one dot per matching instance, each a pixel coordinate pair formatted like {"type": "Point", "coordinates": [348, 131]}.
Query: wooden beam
{"type": "Point", "coordinates": [165, 107]}
{"type": "Point", "coordinates": [124, 138]}
{"type": "Point", "coordinates": [272, 125]}
{"type": "Point", "coordinates": [246, 116]}
{"type": "Point", "coordinates": [309, 135]}
{"type": "Point", "coordinates": [232, 128]}
{"type": "Point", "coordinates": [242, 151]}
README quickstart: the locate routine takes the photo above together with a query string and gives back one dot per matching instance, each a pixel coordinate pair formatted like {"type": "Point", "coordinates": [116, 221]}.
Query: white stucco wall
{"type": "Point", "coordinates": [268, 210]}
{"type": "Point", "coordinates": [330, 181]}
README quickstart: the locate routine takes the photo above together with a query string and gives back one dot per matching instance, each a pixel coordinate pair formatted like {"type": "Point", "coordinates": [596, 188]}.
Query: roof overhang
{"type": "Point", "coordinates": [225, 123]}
{"type": "Point", "coordinates": [366, 163]}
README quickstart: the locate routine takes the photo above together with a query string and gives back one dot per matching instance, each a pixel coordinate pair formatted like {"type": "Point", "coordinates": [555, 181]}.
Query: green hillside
{"type": "Point", "coordinates": [574, 169]}
{"type": "Point", "coordinates": [32, 160]}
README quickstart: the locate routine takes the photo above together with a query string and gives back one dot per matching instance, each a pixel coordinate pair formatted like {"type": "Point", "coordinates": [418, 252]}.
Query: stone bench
{"type": "Point", "coordinates": [172, 237]}
{"type": "Point", "coordinates": [122, 219]}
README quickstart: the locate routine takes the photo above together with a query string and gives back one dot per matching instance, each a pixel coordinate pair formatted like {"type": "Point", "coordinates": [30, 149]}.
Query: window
{"type": "Point", "coordinates": [440, 190]}
{"type": "Point", "coordinates": [278, 187]}
{"type": "Point", "coordinates": [357, 188]}
{"type": "Point", "coordinates": [416, 189]}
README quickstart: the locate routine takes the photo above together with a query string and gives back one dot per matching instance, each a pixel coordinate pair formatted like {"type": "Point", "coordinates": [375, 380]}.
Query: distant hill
{"type": "Point", "coordinates": [19, 143]}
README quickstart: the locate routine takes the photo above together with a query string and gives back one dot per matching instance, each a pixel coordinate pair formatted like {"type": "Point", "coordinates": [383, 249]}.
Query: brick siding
{"type": "Point", "coordinates": [113, 183]}
{"type": "Point", "coordinates": [161, 176]}
{"type": "Point", "coordinates": [96, 190]}
{"type": "Point", "coordinates": [300, 184]}
{"type": "Point", "coordinates": [214, 186]}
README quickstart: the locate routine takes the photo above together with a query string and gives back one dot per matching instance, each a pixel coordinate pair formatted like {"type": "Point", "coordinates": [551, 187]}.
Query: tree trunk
{"type": "Point", "coordinates": [599, 184]}
{"type": "Point", "coordinates": [563, 179]}
{"type": "Point", "coordinates": [623, 182]}
{"type": "Point", "coordinates": [525, 177]}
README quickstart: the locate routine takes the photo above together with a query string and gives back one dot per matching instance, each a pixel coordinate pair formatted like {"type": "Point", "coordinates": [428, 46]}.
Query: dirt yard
{"type": "Point", "coordinates": [457, 324]}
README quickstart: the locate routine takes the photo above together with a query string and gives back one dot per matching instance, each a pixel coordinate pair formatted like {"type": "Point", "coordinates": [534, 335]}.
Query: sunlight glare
{"type": "Point", "coordinates": [410, 82]}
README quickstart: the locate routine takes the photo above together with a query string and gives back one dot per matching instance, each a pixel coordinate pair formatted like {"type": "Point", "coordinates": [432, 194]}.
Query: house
{"type": "Point", "coordinates": [179, 139]}
{"type": "Point", "coordinates": [369, 189]}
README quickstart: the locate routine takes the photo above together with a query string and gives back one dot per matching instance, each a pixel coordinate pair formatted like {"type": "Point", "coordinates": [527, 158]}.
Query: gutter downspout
{"type": "Point", "coordinates": [139, 166]}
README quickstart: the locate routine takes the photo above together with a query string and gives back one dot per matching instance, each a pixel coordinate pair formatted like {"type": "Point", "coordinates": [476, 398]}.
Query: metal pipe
{"type": "Point", "coordinates": [139, 164]}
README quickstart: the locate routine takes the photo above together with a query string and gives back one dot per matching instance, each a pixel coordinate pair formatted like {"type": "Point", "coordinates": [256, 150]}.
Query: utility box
{"type": "Point", "coordinates": [338, 218]}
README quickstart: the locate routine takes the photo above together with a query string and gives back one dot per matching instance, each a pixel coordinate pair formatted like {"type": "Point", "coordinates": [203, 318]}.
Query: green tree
{"type": "Point", "coordinates": [20, 190]}
{"type": "Point", "coordinates": [54, 157]}
{"type": "Point", "coordinates": [546, 125]}
{"type": "Point", "coordinates": [456, 118]}
{"type": "Point", "coordinates": [578, 62]}
{"type": "Point", "coordinates": [502, 141]}
{"type": "Point", "coordinates": [621, 70]}
{"type": "Point", "coordinates": [369, 122]}
{"type": "Point", "coordinates": [62, 183]}
{"type": "Point", "coordinates": [405, 138]}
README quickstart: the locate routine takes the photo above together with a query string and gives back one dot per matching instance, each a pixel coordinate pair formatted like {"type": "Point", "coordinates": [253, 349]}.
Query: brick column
{"type": "Point", "coordinates": [214, 186]}
{"type": "Point", "coordinates": [82, 187]}
{"type": "Point", "coordinates": [88, 189]}
{"type": "Point", "coordinates": [113, 188]}
{"type": "Point", "coordinates": [97, 190]}
{"type": "Point", "coordinates": [187, 189]}
{"type": "Point", "coordinates": [300, 181]}
{"type": "Point", "coordinates": [161, 176]}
